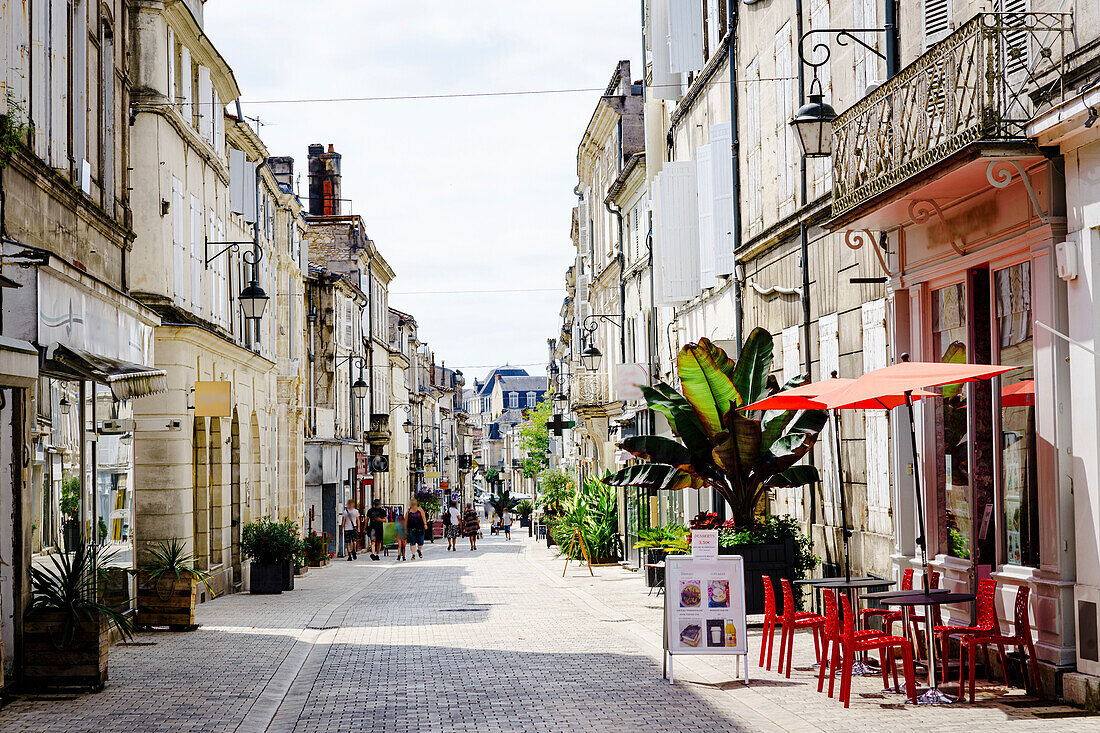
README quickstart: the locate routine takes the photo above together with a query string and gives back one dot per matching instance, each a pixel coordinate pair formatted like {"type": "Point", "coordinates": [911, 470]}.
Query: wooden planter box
{"type": "Point", "coordinates": [168, 602]}
{"type": "Point", "coordinates": [51, 661]}
{"type": "Point", "coordinates": [288, 574]}
{"type": "Point", "coordinates": [776, 560]}
{"type": "Point", "coordinates": [320, 563]}
{"type": "Point", "coordinates": [266, 578]}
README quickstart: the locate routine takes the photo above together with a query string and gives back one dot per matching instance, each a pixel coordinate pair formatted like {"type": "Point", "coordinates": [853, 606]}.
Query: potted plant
{"type": "Point", "coordinates": [525, 509]}
{"type": "Point", "coordinates": [430, 503]}
{"type": "Point", "coordinates": [66, 633]}
{"type": "Point", "coordinates": [556, 490]}
{"type": "Point", "coordinates": [741, 454]}
{"type": "Point", "coordinates": [167, 584]}
{"type": "Point", "coordinates": [316, 549]}
{"type": "Point", "coordinates": [658, 543]}
{"type": "Point", "coordinates": [591, 518]}
{"type": "Point", "coordinates": [272, 546]}
{"type": "Point", "coordinates": [773, 545]}
{"type": "Point", "coordinates": [70, 509]}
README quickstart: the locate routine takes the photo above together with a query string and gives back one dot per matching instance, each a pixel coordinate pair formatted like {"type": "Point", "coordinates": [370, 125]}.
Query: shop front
{"type": "Point", "coordinates": [935, 174]}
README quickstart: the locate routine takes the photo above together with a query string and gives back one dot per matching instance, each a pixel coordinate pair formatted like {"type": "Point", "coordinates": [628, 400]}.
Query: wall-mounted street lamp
{"type": "Point", "coordinates": [253, 299]}
{"type": "Point", "coordinates": [592, 356]}
{"type": "Point", "coordinates": [65, 406]}
{"type": "Point", "coordinates": [561, 401]}
{"type": "Point", "coordinates": [813, 122]}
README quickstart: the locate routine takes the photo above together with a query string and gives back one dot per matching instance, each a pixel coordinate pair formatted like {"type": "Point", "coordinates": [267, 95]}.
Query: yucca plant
{"type": "Point", "coordinates": [172, 558]}
{"type": "Point", "coordinates": [593, 512]}
{"type": "Point", "coordinates": [741, 454]}
{"type": "Point", "coordinates": [68, 586]}
{"type": "Point", "coordinates": [670, 539]}
{"type": "Point", "coordinates": [525, 509]}
{"type": "Point", "coordinates": [503, 501]}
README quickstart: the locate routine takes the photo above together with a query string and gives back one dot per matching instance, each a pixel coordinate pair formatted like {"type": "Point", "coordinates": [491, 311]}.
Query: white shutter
{"type": "Point", "coordinates": [685, 35]}
{"type": "Point", "coordinates": [829, 350]}
{"type": "Point", "coordinates": [219, 126]}
{"type": "Point", "coordinates": [876, 423]}
{"type": "Point", "coordinates": [198, 248]}
{"type": "Point", "coordinates": [38, 73]}
{"type": "Point", "coordinates": [18, 49]}
{"type": "Point", "coordinates": [679, 232]}
{"type": "Point", "coordinates": [821, 168]}
{"type": "Point", "coordinates": [203, 105]}
{"type": "Point", "coordinates": [80, 82]}
{"type": "Point", "coordinates": [936, 19]}
{"type": "Point", "coordinates": [714, 26]}
{"type": "Point", "coordinates": [173, 60]}
{"type": "Point", "coordinates": [59, 84]}
{"type": "Point", "coordinates": [721, 163]}
{"type": "Point", "coordinates": [1015, 51]}
{"type": "Point", "coordinates": [752, 144]}
{"type": "Point", "coordinates": [108, 110]}
{"type": "Point", "coordinates": [185, 85]}
{"type": "Point", "coordinates": [584, 232]}
{"type": "Point", "coordinates": [784, 136]}
{"type": "Point", "coordinates": [663, 84]}
{"type": "Point", "coordinates": [581, 289]}
{"type": "Point", "coordinates": [704, 182]}
{"type": "Point", "coordinates": [179, 258]}
{"type": "Point", "coordinates": [242, 185]}
{"type": "Point", "coordinates": [866, 63]}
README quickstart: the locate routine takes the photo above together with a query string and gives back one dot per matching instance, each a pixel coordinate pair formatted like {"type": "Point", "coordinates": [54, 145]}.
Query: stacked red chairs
{"type": "Point", "coordinates": [844, 654]}
{"type": "Point", "coordinates": [1020, 638]}
{"type": "Point", "coordinates": [986, 624]}
{"type": "Point", "coordinates": [772, 619]}
{"type": "Point", "coordinates": [792, 621]}
{"type": "Point", "coordinates": [887, 616]}
{"type": "Point", "coordinates": [831, 633]}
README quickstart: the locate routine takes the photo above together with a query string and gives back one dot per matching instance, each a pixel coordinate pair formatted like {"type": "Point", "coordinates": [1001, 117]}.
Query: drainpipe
{"type": "Point", "coordinates": [803, 231]}
{"type": "Point", "coordinates": [735, 151]}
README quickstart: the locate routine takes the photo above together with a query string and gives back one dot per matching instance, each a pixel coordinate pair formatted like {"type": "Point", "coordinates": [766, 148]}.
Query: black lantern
{"type": "Point", "coordinates": [360, 388]}
{"type": "Point", "coordinates": [253, 301]}
{"type": "Point", "coordinates": [561, 400]}
{"type": "Point", "coordinates": [64, 405]}
{"type": "Point", "coordinates": [590, 358]}
{"type": "Point", "coordinates": [813, 127]}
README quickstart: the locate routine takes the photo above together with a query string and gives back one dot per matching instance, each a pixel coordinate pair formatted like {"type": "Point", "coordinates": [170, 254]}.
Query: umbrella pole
{"type": "Point", "coordinates": [933, 696]}
{"type": "Point", "coordinates": [845, 532]}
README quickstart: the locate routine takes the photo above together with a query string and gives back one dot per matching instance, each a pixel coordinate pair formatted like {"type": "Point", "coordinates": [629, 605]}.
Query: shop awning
{"type": "Point", "coordinates": [126, 379]}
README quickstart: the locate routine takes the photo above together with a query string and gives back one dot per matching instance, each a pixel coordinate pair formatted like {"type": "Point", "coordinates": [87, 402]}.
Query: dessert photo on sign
{"type": "Point", "coordinates": [719, 592]}
{"type": "Point", "coordinates": [690, 594]}
{"type": "Point", "coordinates": [690, 634]}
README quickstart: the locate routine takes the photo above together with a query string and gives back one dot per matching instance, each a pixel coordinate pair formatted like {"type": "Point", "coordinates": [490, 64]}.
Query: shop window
{"type": "Point", "coordinates": [949, 338]}
{"type": "Point", "coordinates": [1018, 461]}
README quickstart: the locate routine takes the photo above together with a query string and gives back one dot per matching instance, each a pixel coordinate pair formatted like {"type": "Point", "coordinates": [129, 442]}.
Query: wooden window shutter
{"type": "Point", "coordinates": [179, 259]}
{"type": "Point", "coordinates": [936, 19]}
{"type": "Point", "coordinates": [721, 162]}
{"type": "Point", "coordinates": [186, 81]}
{"type": "Point", "coordinates": [198, 248]}
{"type": "Point", "coordinates": [663, 83]}
{"type": "Point", "coordinates": [685, 35]}
{"type": "Point", "coordinates": [38, 73]}
{"type": "Point", "coordinates": [704, 182]}
{"type": "Point", "coordinates": [59, 84]}
{"type": "Point", "coordinates": [679, 232]}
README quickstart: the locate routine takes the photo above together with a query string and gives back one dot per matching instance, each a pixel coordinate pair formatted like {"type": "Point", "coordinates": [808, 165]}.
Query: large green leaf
{"type": "Point", "coordinates": [737, 449]}
{"type": "Point", "coordinates": [750, 376]}
{"type": "Point", "coordinates": [710, 392]}
{"type": "Point", "coordinates": [681, 417]}
{"type": "Point", "coordinates": [657, 449]}
{"type": "Point", "coordinates": [653, 476]}
{"type": "Point", "coordinates": [795, 476]}
{"type": "Point", "coordinates": [719, 356]}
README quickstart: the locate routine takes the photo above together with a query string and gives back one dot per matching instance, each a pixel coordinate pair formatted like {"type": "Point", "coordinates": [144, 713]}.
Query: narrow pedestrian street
{"type": "Point", "coordinates": [489, 641]}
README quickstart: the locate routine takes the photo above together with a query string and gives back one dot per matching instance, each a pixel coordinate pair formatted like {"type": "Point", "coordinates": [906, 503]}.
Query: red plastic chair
{"type": "Point", "coordinates": [844, 654]}
{"type": "Point", "coordinates": [1020, 638]}
{"type": "Point", "coordinates": [771, 620]}
{"type": "Point", "coordinates": [831, 634]}
{"type": "Point", "coordinates": [986, 624]}
{"type": "Point", "coordinates": [792, 621]}
{"type": "Point", "coordinates": [887, 616]}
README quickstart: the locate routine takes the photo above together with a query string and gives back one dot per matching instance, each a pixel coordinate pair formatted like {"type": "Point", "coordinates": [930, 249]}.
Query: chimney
{"type": "Point", "coordinates": [282, 167]}
{"type": "Point", "coordinates": [324, 181]}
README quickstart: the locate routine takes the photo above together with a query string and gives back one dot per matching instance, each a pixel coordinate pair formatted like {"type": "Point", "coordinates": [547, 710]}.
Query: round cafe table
{"type": "Point", "coordinates": [852, 588]}
{"type": "Point", "coordinates": [906, 600]}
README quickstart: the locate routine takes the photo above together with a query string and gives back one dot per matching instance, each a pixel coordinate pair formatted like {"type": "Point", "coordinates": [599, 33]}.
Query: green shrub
{"type": "Point", "coordinates": [429, 502]}
{"type": "Point", "coordinates": [267, 541]}
{"type": "Point", "coordinates": [593, 512]}
{"type": "Point", "coordinates": [670, 539]}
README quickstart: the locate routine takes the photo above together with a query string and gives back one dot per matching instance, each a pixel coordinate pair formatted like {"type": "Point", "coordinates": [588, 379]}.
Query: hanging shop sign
{"type": "Point", "coordinates": [705, 605]}
{"type": "Point", "coordinates": [213, 399]}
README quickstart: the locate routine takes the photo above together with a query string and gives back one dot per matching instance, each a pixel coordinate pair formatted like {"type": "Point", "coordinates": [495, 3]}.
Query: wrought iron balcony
{"type": "Point", "coordinates": [588, 389]}
{"type": "Point", "coordinates": [980, 84]}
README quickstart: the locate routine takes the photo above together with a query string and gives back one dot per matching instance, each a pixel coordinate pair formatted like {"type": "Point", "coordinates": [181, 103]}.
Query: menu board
{"type": "Point", "coordinates": [705, 605]}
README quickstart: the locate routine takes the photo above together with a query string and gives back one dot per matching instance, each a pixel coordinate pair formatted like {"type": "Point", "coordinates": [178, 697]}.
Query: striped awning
{"type": "Point", "coordinates": [126, 379]}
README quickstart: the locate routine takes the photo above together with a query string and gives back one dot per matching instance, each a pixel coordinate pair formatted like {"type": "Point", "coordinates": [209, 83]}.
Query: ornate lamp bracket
{"type": "Point", "coordinates": [591, 322]}
{"type": "Point", "coordinates": [921, 210]}
{"type": "Point", "coordinates": [1003, 177]}
{"type": "Point", "coordinates": [250, 256]}
{"type": "Point", "coordinates": [856, 238]}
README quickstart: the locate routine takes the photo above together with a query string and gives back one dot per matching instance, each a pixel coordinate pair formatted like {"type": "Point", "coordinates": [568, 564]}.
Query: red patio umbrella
{"type": "Point", "coordinates": [907, 377]}
{"type": "Point", "coordinates": [1020, 394]}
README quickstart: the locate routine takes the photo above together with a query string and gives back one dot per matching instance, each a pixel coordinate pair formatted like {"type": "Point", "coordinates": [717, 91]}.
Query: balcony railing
{"type": "Point", "coordinates": [588, 389]}
{"type": "Point", "coordinates": [981, 83]}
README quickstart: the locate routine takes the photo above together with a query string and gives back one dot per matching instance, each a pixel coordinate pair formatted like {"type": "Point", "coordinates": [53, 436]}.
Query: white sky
{"type": "Point", "coordinates": [458, 194]}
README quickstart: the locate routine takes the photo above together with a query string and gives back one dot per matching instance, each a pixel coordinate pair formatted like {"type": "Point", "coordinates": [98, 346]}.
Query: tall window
{"type": "Point", "coordinates": [513, 400]}
{"type": "Point", "coordinates": [530, 399]}
{"type": "Point", "coordinates": [1012, 290]}
{"type": "Point", "coordinates": [949, 339]}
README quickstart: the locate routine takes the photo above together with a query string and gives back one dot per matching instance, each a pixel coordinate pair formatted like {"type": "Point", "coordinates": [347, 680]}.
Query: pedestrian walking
{"type": "Point", "coordinates": [399, 533]}
{"type": "Point", "coordinates": [488, 506]}
{"type": "Point", "coordinates": [506, 524]}
{"type": "Point", "coordinates": [349, 522]}
{"type": "Point", "coordinates": [452, 523]}
{"type": "Point", "coordinates": [470, 525]}
{"type": "Point", "coordinates": [376, 520]}
{"type": "Point", "coordinates": [415, 523]}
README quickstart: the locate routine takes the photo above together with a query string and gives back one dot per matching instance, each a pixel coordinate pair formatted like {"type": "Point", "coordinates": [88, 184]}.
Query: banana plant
{"type": "Point", "coordinates": [742, 454]}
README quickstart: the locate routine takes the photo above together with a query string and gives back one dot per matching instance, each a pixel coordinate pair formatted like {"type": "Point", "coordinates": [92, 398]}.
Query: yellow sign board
{"type": "Point", "coordinates": [431, 474]}
{"type": "Point", "coordinates": [213, 399]}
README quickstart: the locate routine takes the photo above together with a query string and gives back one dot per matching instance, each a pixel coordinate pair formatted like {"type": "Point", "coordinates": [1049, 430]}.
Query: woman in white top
{"type": "Point", "coordinates": [453, 520]}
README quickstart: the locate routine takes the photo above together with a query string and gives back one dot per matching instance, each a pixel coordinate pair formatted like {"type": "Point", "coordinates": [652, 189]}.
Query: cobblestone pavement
{"type": "Point", "coordinates": [489, 641]}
